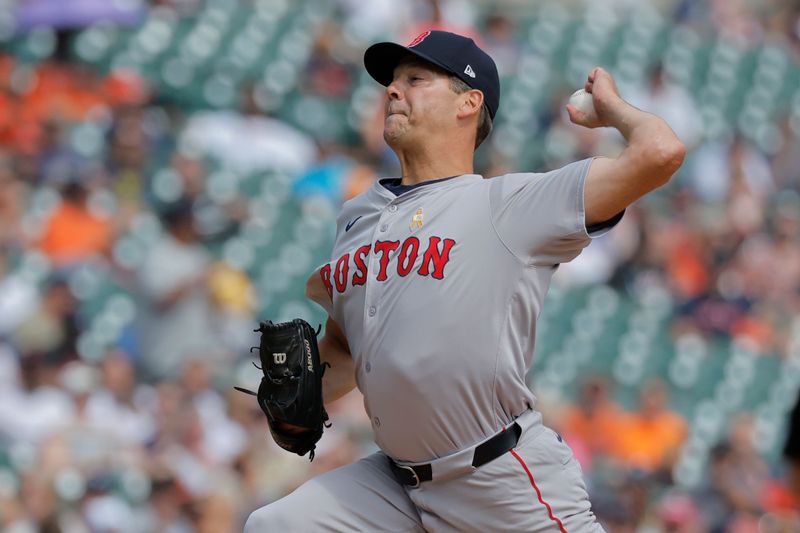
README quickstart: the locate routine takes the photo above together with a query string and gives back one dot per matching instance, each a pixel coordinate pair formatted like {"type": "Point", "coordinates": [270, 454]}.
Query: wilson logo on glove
{"type": "Point", "coordinates": [290, 393]}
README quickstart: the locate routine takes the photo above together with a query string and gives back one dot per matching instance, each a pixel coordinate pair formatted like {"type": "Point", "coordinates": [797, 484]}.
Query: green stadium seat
{"type": "Point", "coordinates": [239, 253]}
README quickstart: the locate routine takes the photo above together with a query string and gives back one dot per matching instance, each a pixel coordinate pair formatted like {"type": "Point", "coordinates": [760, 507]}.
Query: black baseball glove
{"type": "Point", "coordinates": [290, 393]}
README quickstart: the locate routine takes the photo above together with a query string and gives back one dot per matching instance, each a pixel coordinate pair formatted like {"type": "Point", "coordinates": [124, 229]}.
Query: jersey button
{"type": "Point", "coordinates": [377, 422]}
{"type": "Point", "coordinates": [372, 311]}
{"type": "Point", "coordinates": [384, 227]}
{"type": "Point", "coordinates": [368, 368]}
{"type": "Point", "coordinates": [392, 208]}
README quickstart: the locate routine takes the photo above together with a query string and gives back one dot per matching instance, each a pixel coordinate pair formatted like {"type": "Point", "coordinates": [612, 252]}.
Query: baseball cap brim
{"type": "Point", "coordinates": [381, 59]}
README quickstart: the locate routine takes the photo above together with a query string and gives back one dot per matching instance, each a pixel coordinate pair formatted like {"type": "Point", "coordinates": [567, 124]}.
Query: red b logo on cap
{"type": "Point", "coordinates": [421, 37]}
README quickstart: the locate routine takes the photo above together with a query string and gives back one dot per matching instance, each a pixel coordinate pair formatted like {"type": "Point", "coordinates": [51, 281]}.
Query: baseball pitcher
{"type": "Point", "coordinates": [433, 291]}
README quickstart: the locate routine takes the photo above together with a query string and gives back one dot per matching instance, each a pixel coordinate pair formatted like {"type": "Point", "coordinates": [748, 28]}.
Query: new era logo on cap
{"type": "Point", "coordinates": [448, 51]}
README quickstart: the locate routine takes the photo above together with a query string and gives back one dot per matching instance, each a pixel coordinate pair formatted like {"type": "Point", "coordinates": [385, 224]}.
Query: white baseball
{"type": "Point", "coordinates": [582, 101]}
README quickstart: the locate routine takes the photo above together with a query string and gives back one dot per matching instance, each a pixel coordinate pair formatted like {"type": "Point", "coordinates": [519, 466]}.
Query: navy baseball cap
{"type": "Point", "coordinates": [454, 53]}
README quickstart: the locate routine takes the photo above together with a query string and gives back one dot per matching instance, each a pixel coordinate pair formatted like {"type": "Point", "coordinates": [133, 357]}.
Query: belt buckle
{"type": "Point", "coordinates": [413, 473]}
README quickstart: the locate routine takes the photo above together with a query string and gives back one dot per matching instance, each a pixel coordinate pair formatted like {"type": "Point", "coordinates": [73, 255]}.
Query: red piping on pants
{"type": "Point", "coordinates": [539, 493]}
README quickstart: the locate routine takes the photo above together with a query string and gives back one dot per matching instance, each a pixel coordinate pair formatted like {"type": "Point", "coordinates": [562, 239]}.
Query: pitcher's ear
{"type": "Point", "coordinates": [471, 103]}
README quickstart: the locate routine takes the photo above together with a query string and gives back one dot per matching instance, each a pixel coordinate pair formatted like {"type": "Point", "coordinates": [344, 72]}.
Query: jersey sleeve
{"type": "Point", "coordinates": [540, 217]}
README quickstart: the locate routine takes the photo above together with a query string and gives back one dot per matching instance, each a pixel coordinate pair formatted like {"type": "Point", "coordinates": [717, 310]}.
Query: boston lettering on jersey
{"type": "Point", "coordinates": [351, 269]}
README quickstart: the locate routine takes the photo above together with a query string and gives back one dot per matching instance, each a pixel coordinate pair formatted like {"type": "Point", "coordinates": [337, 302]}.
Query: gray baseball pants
{"type": "Point", "coordinates": [537, 487]}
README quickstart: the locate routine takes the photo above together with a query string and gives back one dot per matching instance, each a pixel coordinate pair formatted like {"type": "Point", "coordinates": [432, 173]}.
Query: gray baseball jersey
{"type": "Point", "coordinates": [438, 291]}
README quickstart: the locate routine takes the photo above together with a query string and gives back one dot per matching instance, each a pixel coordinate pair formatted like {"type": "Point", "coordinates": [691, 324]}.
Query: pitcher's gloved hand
{"type": "Point", "coordinates": [290, 393]}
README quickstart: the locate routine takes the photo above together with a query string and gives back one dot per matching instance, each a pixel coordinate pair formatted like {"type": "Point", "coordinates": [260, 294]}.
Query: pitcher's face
{"type": "Point", "coordinates": [420, 105]}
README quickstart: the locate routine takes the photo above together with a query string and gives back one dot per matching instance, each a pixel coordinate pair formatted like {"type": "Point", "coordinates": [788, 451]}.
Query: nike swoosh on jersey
{"type": "Point", "coordinates": [350, 224]}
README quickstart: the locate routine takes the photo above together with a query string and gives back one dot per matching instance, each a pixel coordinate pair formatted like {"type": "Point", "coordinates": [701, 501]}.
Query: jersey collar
{"type": "Point", "coordinates": [424, 187]}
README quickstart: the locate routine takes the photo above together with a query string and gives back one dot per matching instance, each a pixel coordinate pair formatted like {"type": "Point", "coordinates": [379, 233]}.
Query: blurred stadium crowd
{"type": "Point", "coordinates": [170, 173]}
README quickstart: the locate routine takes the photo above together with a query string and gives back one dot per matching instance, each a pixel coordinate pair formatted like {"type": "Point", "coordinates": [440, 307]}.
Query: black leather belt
{"type": "Point", "coordinates": [490, 450]}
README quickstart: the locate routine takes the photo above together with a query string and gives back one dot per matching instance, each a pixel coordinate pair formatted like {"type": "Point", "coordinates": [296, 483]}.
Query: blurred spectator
{"type": "Point", "coordinates": [217, 513]}
{"type": "Point", "coordinates": [649, 438]}
{"type": "Point", "coordinates": [13, 199]}
{"type": "Point", "coordinates": [120, 405]}
{"type": "Point", "coordinates": [499, 41]}
{"type": "Point", "coordinates": [787, 159]}
{"type": "Point", "coordinates": [215, 219]}
{"type": "Point", "coordinates": [192, 172]}
{"type": "Point", "coordinates": [233, 297]}
{"type": "Point", "coordinates": [10, 377]}
{"type": "Point", "coordinates": [52, 327]}
{"type": "Point", "coordinates": [747, 466]}
{"type": "Point", "coordinates": [40, 505]}
{"type": "Point", "coordinates": [56, 160]}
{"type": "Point", "coordinates": [80, 444]}
{"type": "Point", "coordinates": [678, 513]}
{"type": "Point", "coordinates": [181, 454]}
{"type": "Point", "coordinates": [177, 318]}
{"type": "Point", "coordinates": [621, 502]}
{"type": "Point", "coordinates": [249, 141]}
{"type": "Point", "coordinates": [731, 169]}
{"type": "Point", "coordinates": [673, 103]}
{"type": "Point", "coordinates": [129, 151]}
{"type": "Point", "coordinates": [360, 178]}
{"type": "Point", "coordinates": [168, 512]}
{"type": "Point", "coordinates": [75, 232]}
{"type": "Point", "coordinates": [336, 176]}
{"type": "Point", "coordinates": [39, 407]}
{"type": "Point", "coordinates": [222, 438]}
{"type": "Point", "coordinates": [681, 252]}
{"type": "Point", "coordinates": [137, 140]}
{"type": "Point", "coordinates": [324, 75]}
{"type": "Point", "coordinates": [594, 419]}
{"type": "Point", "coordinates": [107, 512]}
{"type": "Point", "coordinates": [369, 21]}
{"type": "Point", "coordinates": [738, 18]}
{"type": "Point", "coordinates": [732, 497]}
